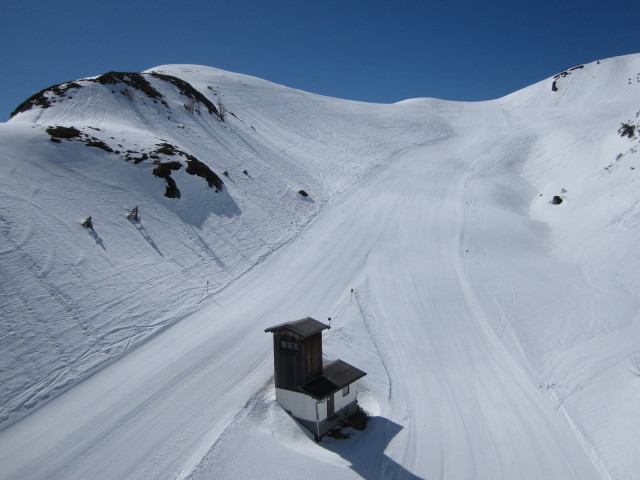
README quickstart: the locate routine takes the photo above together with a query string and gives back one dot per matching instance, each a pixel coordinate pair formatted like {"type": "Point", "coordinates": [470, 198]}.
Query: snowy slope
{"type": "Point", "coordinates": [499, 332]}
{"type": "Point", "coordinates": [75, 299]}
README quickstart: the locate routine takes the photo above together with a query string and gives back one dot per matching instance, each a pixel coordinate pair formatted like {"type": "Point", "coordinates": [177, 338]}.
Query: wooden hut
{"type": "Point", "coordinates": [320, 396]}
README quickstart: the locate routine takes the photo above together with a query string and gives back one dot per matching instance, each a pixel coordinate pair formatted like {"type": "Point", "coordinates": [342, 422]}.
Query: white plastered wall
{"type": "Point", "coordinates": [304, 407]}
{"type": "Point", "coordinates": [300, 405]}
{"type": "Point", "coordinates": [340, 402]}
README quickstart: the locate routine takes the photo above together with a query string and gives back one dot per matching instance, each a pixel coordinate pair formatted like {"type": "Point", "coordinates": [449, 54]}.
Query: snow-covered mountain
{"type": "Point", "coordinates": [490, 247]}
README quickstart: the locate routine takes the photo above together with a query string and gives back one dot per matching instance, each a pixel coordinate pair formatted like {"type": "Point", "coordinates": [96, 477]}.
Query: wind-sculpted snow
{"type": "Point", "coordinates": [499, 331]}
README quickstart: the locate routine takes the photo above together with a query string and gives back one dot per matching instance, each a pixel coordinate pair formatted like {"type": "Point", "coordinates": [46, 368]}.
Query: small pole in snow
{"type": "Point", "coordinates": [207, 288]}
{"type": "Point", "coordinates": [351, 293]}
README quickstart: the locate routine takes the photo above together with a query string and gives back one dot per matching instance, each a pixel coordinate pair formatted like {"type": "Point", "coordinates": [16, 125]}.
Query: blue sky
{"type": "Point", "coordinates": [376, 51]}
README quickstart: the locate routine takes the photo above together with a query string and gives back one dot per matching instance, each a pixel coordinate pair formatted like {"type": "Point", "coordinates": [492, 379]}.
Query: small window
{"type": "Point", "coordinates": [345, 391]}
{"type": "Point", "coordinates": [289, 344]}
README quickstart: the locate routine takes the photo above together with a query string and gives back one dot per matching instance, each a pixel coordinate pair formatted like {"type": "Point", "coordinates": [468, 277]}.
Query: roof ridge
{"type": "Point", "coordinates": [304, 327]}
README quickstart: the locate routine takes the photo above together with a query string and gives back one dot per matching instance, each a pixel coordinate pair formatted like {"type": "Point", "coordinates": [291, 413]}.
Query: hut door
{"type": "Point", "coordinates": [330, 407]}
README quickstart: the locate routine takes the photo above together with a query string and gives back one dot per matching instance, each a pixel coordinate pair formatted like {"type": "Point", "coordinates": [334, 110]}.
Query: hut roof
{"type": "Point", "coordinates": [335, 376]}
{"type": "Point", "coordinates": [304, 327]}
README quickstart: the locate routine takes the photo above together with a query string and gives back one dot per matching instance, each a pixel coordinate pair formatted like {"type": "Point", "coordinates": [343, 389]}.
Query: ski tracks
{"type": "Point", "coordinates": [374, 333]}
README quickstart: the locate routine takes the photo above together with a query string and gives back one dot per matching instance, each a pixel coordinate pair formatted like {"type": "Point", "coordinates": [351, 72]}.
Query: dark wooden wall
{"type": "Point", "coordinates": [313, 357]}
{"type": "Point", "coordinates": [295, 367]}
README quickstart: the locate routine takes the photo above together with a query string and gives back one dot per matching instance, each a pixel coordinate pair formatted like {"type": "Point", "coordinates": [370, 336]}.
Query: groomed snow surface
{"type": "Point", "coordinates": [499, 332]}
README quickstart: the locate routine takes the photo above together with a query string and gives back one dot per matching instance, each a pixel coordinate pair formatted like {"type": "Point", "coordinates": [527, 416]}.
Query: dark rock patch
{"type": "Point", "coordinates": [187, 90]}
{"type": "Point", "coordinates": [196, 167]}
{"type": "Point", "coordinates": [556, 200]}
{"type": "Point", "coordinates": [44, 98]}
{"type": "Point", "coordinates": [58, 131]}
{"type": "Point", "coordinates": [554, 85]}
{"type": "Point", "coordinates": [132, 79]}
{"type": "Point", "coordinates": [94, 142]}
{"type": "Point", "coordinates": [163, 170]}
{"type": "Point", "coordinates": [303, 193]}
{"type": "Point", "coordinates": [630, 130]}
{"type": "Point", "coordinates": [131, 155]}
{"type": "Point", "coordinates": [627, 130]}
{"type": "Point", "coordinates": [166, 149]}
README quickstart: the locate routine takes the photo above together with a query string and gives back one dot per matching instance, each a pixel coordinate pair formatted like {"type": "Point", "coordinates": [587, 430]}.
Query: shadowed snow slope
{"type": "Point", "coordinates": [500, 332]}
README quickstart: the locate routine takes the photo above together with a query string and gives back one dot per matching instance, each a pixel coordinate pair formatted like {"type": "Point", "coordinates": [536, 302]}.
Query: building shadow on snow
{"type": "Point", "coordinates": [365, 451]}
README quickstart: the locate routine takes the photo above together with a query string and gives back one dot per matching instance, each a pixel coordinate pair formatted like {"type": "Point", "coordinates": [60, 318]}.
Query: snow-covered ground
{"type": "Point", "coordinates": [500, 333]}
